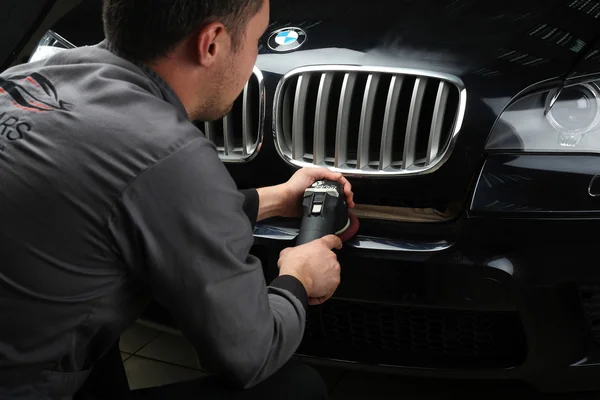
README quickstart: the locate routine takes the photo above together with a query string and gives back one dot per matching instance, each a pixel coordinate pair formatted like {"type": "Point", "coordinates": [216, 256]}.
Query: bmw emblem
{"type": "Point", "coordinates": [287, 39]}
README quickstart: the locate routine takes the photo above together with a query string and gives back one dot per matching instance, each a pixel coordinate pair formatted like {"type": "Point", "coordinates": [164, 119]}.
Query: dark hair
{"type": "Point", "coordinates": [150, 29]}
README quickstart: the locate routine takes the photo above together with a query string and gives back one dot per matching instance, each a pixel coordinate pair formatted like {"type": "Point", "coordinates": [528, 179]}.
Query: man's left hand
{"type": "Point", "coordinates": [293, 190]}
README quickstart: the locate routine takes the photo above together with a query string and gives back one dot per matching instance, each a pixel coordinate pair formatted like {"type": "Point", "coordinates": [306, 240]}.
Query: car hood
{"type": "Point", "coordinates": [497, 48]}
{"type": "Point", "coordinates": [511, 43]}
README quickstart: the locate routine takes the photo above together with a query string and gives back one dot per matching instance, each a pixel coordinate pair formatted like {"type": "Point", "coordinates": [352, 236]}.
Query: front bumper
{"type": "Point", "coordinates": [506, 300]}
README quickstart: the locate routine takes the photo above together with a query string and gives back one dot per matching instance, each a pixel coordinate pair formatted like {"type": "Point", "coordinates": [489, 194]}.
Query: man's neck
{"type": "Point", "coordinates": [177, 78]}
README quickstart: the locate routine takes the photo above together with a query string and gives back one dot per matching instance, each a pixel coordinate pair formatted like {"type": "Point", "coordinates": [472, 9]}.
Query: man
{"type": "Point", "coordinates": [110, 196]}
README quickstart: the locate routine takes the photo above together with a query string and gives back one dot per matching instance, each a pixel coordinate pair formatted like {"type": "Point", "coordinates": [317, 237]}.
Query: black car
{"type": "Point", "coordinates": [467, 129]}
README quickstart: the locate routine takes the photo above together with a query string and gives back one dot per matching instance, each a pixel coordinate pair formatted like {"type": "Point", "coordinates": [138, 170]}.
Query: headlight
{"type": "Point", "coordinates": [558, 120]}
{"type": "Point", "coordinates": [50, 44]}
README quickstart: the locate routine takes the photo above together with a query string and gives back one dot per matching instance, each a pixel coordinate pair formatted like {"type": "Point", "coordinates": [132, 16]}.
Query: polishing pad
{"type": "Point", "coordinates": [351, 228]}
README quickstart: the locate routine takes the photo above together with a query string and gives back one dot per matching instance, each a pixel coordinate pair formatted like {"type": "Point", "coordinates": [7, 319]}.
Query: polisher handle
{"type": "Point", "coordinates": [325, 211]}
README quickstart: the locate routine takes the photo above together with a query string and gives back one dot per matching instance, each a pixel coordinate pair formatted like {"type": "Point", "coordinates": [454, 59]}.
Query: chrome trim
{"type": "Point", "coordinates": [209, 131]}
{"type": "Point", "coordinates": [228, 134]}
{"type": "Point", "coordinates": [246, 121]}
{"type": "Point", "coordinates": [389, 122]}
{"type": "Point", "coordinates": [298, 117]}
{"type": "Point", "coordinates": [366, 121]}
{"type": "Point", "coordinates": [343, 122]}
{"type": "Point", "coordinates": [410, 140]}
{"type": "Point", "coordinates": [439, 112]}
{"type": "Point", "coordinates": [272, 232]}
{"type": "Point", "coordinates": [262, 111]}
{"type": "Point", "coordinates": [321, 118]}
{"type": "Point", "coordinates": [380, 244]}
{"type": "Point", "coordinates": [342, 128]}
{"type": "Point", "coordinates": [249, 151]}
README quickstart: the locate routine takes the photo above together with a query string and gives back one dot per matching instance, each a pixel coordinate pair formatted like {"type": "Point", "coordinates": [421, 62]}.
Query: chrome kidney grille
{"type": "Point", "coordinates": [368, 121]}
{"type": "Point", "coordinates": [238, 136]}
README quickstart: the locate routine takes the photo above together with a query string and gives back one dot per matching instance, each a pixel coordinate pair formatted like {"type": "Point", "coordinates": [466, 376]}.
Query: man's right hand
{"type": "Point", "coordinates": [315, 265]}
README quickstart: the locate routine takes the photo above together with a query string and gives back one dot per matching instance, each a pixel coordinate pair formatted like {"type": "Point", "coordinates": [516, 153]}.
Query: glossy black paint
{"type": "Point", "coordinates": [548, 186]}
{"type": "Point", "coordinates": [590, 63]}
{"type": "Point", "coordinates": [530, 266]}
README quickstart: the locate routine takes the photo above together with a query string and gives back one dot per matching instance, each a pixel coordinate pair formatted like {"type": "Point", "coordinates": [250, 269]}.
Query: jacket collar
{"type": "Point", "coordinates": [168, 93]}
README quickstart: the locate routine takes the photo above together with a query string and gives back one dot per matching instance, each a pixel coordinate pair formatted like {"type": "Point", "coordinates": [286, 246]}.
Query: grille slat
{"type": "Point", "coordinates": [238, 135]}
{"type": "Point", "coordinates": [410, 144]}
{"type": "Point", "coordinates": [343, 123]}
{"type": "Point", "coordinates": [387, 121]}
{"type": "Point", "coordinates": [366, 121]}
{"type": "Point", "coordinates": [439, 113]}
{"type": "Point", "coordinates": [389, 124]}
{"type": "Point", "coordinates": [209, 131]}
{"type": "Point", "coordinates": [228, 134]}
{"type": "Point", "coordinates": [299, 117]}
{"type": "Point", "coordinates": [321, 118]}
{"type": "Point", "coordinates": [246, 121]}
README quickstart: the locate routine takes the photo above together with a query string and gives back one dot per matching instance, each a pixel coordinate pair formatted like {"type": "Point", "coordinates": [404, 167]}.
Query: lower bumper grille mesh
{"type": "Point", "coordinates": [419, 337]}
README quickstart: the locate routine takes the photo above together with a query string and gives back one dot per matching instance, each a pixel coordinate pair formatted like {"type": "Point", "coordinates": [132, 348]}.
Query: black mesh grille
{"type": "Point", "coordinates": [420, 337]}
{"type": "Point", "coordinates": [590, 297]}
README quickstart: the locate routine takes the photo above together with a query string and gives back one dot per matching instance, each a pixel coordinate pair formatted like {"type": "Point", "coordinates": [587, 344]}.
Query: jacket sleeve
{"type": "Point", "coordinates": [251, 204]}
{"type": "Point", "coordinates": [182, 229]}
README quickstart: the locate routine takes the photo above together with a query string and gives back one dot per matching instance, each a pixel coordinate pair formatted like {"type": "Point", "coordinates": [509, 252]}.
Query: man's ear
{"type": "Point", "coordinates": [213, 41]}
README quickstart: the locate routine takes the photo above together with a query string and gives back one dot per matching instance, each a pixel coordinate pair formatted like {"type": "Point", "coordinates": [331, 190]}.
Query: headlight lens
{"type": "Point", "coordinates": [559, 120]}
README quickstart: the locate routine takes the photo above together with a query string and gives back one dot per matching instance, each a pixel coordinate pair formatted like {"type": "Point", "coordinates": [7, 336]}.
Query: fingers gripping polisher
{"type": "Point", "coordinates": [325, 212]}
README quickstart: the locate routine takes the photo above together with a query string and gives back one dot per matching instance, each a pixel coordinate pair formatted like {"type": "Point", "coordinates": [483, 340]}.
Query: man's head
{"type": "Point", "coordinates": [205, 49]}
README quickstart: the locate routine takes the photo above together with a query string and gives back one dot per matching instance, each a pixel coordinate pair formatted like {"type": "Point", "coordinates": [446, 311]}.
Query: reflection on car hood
{"type": "Point", "coordinates": [496, 46]}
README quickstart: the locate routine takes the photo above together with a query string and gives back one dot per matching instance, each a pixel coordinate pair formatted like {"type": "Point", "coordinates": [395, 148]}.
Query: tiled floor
{"type": "Point", "coordinates": [153, 357]}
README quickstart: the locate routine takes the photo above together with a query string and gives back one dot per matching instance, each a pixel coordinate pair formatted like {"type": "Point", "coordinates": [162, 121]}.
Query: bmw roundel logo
{"type": "Point", "coordinates": [287, 39]}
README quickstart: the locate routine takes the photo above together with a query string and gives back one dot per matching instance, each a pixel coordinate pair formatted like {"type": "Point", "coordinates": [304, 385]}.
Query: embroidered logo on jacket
{"type": "Point", "coordinates": [32, 93]}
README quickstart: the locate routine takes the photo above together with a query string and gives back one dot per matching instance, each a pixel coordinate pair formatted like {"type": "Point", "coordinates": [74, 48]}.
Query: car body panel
{"type": "Point", "coordinates": [535, 185]}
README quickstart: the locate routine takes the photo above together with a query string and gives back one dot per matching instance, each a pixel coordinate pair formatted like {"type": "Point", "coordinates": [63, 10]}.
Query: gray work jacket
{"type": "Point", "coordinates": [110, 196]}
